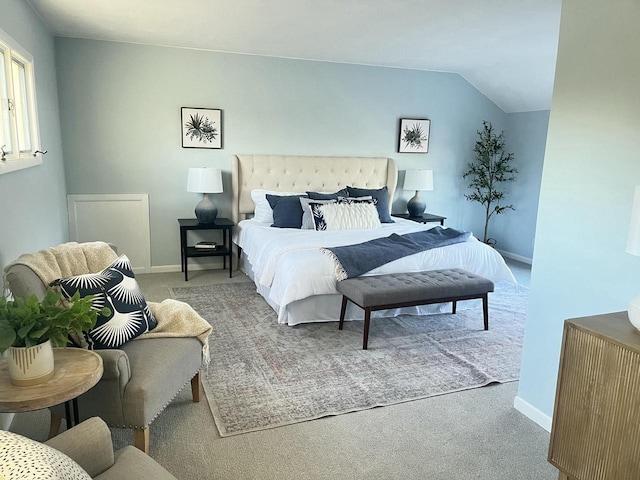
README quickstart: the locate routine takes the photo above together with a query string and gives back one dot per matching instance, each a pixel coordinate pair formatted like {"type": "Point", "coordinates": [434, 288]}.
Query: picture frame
{"type": "Point", "coordinates": [201, 127]}
{"type": "Point", "coordinates": [413, 135]}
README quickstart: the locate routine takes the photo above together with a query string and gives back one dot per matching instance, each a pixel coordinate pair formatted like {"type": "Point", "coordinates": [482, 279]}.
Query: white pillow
{"type": "Point", "coordinates": [21, 457]}
{"type": "Point", "coordinates": [263, 212]}
{"type": "Point", "coordinates": [348, 216]}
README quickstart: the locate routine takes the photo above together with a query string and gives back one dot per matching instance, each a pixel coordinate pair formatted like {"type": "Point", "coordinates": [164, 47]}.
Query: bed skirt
{"type": "Point", "coordinates": [326, 308]}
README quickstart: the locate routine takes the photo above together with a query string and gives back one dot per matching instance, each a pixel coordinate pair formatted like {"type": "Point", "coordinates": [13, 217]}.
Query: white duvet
{"type": "Point", "coordinates": [289, 264]}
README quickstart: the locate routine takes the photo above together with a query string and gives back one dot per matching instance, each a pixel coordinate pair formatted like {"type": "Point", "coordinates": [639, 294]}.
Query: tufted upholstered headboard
{"type": "Point", "coordinates": [298, 174]}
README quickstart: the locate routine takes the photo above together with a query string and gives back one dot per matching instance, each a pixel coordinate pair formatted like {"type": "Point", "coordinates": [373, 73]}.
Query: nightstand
{"type": "Point", "coordinates": [223, 250]}
{"type": "Point", "coordinates": [424, 218]}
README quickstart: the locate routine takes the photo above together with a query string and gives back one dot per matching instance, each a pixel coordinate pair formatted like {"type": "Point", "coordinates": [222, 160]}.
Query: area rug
{"type": "Point", "coordinates": [264, 375]}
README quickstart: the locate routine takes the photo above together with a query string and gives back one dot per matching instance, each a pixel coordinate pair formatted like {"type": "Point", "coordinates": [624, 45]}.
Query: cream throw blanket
{"type": "Point", "coordinates": [175, 319]}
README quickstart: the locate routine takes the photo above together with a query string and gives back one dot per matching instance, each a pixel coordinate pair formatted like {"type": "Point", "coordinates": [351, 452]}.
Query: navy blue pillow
{"type": "Point", "coordinates": [287, 211]}
{"type": "Point", "coordinates": [380, 195]}
{"type": "Point", "coordinates": [328, 196]}
{"type": "Point", "coordinates": [115, 288]}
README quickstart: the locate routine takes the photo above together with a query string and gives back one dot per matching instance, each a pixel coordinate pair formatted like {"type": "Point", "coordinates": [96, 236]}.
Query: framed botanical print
{"type": "Point", "coordinates": [201, 128]}
{"type": "Point", "coordinates": [413, 136]}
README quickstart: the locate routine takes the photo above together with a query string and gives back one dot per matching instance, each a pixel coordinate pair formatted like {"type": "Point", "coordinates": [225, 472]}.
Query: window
{"type": "Point", "coordinates": [19, 136]}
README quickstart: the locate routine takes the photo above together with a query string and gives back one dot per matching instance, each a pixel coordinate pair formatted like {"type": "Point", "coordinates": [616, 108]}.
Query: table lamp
{"type": "Point", "coordinates": [633, 247]}
{"type": "Point", "coordinates": [205, 180]}
{"type": "Point", "coordinates": [417, 180]}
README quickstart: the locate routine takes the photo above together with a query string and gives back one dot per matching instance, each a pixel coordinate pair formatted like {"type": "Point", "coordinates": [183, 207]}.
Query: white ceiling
{"type": "Point", "coordinates": [505, 48]}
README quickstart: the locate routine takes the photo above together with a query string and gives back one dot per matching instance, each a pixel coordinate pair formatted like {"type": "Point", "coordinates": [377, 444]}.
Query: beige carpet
{"type": "Point", "coordinates": [264, 375]}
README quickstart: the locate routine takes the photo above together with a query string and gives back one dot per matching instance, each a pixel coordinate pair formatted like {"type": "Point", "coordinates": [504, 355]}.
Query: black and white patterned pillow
{"type": "Point", "coordinates": [115, 288]}
{"type": "Point", "coordinates": [317, 215]}
{"type": "Point", "coordinates": [23, 458]}
{"type": "Point", "coordinates": [365, 199]}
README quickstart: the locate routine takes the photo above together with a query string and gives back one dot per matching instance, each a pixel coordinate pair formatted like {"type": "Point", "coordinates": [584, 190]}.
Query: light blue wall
{"type": "Point", "coordinates": [33, 213]}
{"type": "Point", "coordinates": [592, 164]}
{"type": "Point", "coordinates": [525, 135]}
{"type": "Point", "coordinates": [120, 111]}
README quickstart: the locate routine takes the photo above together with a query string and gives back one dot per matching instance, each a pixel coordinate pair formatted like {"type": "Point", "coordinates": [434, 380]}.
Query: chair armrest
{"type": "Point", "coordinates": [23, 282]}
{"type": "Point", "coordinates": [105, 398]}
{"type": "Point", "coordinates": [116, 365]}
{"type": "Point", "coordinates": [88, 444]}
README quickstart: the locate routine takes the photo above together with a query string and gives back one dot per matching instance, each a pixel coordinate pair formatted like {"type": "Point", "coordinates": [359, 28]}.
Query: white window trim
{"type": "Point", "coordinates": [19, 161]}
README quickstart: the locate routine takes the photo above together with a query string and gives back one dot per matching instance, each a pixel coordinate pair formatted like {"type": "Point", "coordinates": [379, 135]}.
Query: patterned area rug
{"type": "Point", "coordinates": [264, 375]}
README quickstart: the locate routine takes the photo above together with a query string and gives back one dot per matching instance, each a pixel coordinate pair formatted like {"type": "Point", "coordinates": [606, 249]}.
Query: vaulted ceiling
{"type": "Point", "coordinates": [505, 48]}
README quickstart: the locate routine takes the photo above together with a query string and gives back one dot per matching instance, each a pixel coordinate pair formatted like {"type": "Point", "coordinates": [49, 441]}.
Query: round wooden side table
{"type": "Point", "coordinates": [76, 370]}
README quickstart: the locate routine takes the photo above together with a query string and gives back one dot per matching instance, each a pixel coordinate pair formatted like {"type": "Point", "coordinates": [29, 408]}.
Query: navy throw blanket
{"type": "Point", "coordinates": [354, 260]}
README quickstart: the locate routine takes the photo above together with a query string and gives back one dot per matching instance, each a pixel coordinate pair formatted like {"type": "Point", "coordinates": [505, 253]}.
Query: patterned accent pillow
{"type": "Point", "coordinates": [346, 216]}
{"type": "Point", "coordinates": [307, 213]}
{"type": "Point", "coordinates": [115, 288]}
{"type": "Point", "coordinates": [367, 199]}
{"type": "Point", "coordinates": [328, 196]}
{"type": "Point", "coordinates": [21, 457]}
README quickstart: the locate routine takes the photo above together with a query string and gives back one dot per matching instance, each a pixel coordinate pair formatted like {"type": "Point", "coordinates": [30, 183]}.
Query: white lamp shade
{"type": "Point", "coordinates": [633, 241]}
{"type": "Point", "coordinates": [418, 180]}
{"type": "Point", "coordinates": [204, 180]}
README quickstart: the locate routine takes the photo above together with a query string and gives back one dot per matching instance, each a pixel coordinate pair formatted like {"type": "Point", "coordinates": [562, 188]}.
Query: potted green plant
{"type": "Point", "coordinates": [491, 168]}
{"type": "Point", "coordinates": [30, 328]}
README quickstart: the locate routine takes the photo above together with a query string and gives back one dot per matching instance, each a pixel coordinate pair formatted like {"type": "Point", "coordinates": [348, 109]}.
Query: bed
{"type": "Point", "coordinates": [292, 274]}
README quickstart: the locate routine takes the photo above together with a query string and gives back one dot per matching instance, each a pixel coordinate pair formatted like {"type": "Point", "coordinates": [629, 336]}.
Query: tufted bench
{"type": "Point", "coordinates": [398, 290]}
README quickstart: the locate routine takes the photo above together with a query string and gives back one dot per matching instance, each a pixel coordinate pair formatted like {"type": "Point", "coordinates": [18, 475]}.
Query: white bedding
{"type": "Point", "coordinates": [287, 265]}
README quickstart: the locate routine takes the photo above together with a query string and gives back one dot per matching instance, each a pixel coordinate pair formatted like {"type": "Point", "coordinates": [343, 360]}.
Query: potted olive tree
{"type": "Point", "coordinates": [30, 328]}
{"type": "Point", "coordinates": [487, 174]}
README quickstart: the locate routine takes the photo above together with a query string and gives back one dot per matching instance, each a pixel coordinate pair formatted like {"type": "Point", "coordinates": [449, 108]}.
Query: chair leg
{"type": "Point", "coordinates": [141, 439]}
{"type": "Point", "coordinates": [54, 426]}
{"type": "Point", "coordinates": [195, 387]}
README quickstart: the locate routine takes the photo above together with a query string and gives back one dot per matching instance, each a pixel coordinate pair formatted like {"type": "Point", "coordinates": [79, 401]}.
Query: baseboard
{"type": "Point", "coordinates": [515, 256]}
{"type": "Point", "coordinates": [532, 413]}
{"type": "Point", "coordinates": [192, 267]}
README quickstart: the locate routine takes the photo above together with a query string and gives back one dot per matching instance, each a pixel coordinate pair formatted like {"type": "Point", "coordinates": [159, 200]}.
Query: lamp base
{"type": "Point", "coordinates": [634, 312]}
{"type": "Point", "coordinates": [416, 206]}
{"type": "Point", "coordinates": [206, 211]}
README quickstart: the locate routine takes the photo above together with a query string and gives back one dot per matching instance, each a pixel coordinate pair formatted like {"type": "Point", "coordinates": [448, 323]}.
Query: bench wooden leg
{"type": "Point", "coordinates": [485, 310]}
{"type": "Point", "coordinates": [453, 307]}
{"type": "Point", "coordinates": [365, 335]}
{"type": "Point", "coordinates": [343, 310]}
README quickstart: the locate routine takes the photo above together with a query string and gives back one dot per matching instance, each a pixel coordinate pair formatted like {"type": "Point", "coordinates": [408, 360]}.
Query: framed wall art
{"type": "Point", "coordinates": [201, 127]}
{"type": "Point", "coordinates": [413, 136]}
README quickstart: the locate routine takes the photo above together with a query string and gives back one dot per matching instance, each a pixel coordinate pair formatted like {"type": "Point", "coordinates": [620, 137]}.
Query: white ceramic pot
{"type": "Point", "coordinates": [31, 365]}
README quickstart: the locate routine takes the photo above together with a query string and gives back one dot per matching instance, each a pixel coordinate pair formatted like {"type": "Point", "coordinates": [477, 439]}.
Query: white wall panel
{"type": "Point", "coordinates": [122, 219]}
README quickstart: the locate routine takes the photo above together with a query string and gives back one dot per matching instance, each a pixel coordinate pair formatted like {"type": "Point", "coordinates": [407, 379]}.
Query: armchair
{"type": "Point", "coordinates": [89, 445]}
{"type": "Point", "coordinates": [141, 377]}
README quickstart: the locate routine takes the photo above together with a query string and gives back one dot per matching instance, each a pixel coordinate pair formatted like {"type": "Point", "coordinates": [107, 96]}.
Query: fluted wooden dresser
{"type": "Point", "coordinates": [595, 433]}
